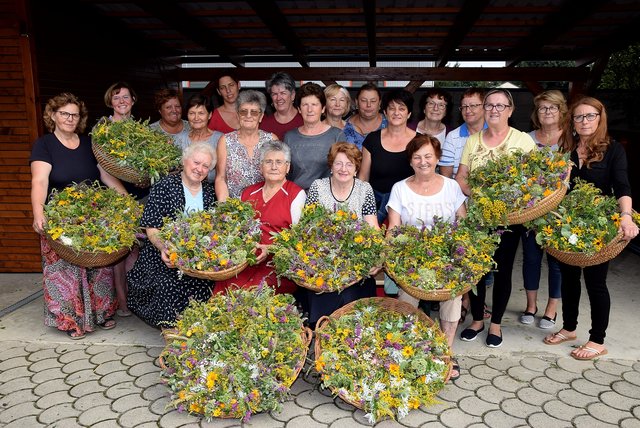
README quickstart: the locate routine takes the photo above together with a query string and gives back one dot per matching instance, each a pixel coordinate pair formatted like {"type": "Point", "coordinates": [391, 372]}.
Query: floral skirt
{"type": "Point", "coordinates": [75, 298]}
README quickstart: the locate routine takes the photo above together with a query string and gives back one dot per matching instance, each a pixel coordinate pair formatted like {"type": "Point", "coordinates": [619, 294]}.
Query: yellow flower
{"type": "Point", "coordinates": [211, 379]}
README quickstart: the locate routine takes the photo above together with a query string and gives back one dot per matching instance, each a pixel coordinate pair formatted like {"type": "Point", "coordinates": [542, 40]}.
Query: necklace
{"type": "Point", "coordinates": [353, 184]}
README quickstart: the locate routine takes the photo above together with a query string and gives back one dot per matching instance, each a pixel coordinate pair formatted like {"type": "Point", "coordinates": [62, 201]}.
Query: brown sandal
{"type": "Point", "coordinates": [558, 338]}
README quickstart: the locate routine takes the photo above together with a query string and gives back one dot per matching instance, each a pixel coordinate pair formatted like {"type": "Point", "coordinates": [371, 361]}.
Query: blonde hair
{"type": "Point", "coordinates": [334, 89]}
{"type": "Point", "coordinates": [554, 97]}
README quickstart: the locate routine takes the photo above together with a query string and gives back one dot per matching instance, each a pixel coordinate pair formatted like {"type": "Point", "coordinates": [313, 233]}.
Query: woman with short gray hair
{"type": "Point", "coordinates": [282, 90]}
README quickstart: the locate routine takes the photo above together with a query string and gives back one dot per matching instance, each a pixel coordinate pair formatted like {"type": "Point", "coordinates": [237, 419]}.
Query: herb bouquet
{"type": "Point", "coordinates": [216, 243]}
{"type": "Point", "coordinates": [235, 355]}
{"type": "Point", "coordinates": [518, 187]}
{"type": "Point", "coordinates": [90, 225]}
{"type": "Point", "coordinates": [383, 356]}
{"type": "Point", "coordinates": [440, 262]}
{"type": "Point", "coordinates": [133, 152]}
{"type": "Point", "coordinates": [327, 251]}
{"type": "Point", "coordinates": [583, 230]}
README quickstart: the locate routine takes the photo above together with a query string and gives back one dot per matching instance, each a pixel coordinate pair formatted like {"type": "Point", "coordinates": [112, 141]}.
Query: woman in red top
{"type": "Point", "coordinates": [279, 204]}
{"type": "Point", "coordinates": [225, 117]}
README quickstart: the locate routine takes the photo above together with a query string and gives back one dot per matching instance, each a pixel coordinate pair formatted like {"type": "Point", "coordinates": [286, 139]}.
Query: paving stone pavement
{"type": "Point", "coordinates": [94, 385]}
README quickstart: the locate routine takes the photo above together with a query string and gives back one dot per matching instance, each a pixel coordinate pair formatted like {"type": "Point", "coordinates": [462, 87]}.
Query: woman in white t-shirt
{"type": "Point", "coordinates": [416, 200]}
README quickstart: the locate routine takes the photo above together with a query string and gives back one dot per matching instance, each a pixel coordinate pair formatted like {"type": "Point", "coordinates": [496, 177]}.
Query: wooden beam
{"type": "Point", "coordinates": [269, 12]}
{"type": "Point", "coordinates": [395, 73]}
{"type": "Point", "coordinates": [369, 7]}
{"type": "Point", "coordinates": [465, 20]}
{"type": "Point", "coordinates": [413, 85]}
{"type": "Point", "coordinates": [534, 87]}
{"type": "Point", "coordinates": [596, 74]}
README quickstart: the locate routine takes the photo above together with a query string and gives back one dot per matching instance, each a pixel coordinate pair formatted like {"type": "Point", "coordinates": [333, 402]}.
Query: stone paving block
{"type": "Point", "coordinates": [437, 408]}
{"type": "Point", "coordinates": [304, 421]}
{"type": "Point", "coordinates": [533, 396]}
{"type": "Point", "coordinates": [607, 414]}
{"type": "Point", "coordinates": [53, 399]}
{"type": "Point", "coordinates": [632, 376]}
{"type": "Point", "coordinates": [475, 406]}
{"type": "Point", "coordinates": [289, 411]}
{"type": "Point", "coordinates": [15, 372]}
{"type": "Point", "coordinates": [154, 352]}
{"type": "Point", "coordinates": [636, 412]}
{"type": "Point", "coordinates": [453, 393]}
{"type": "Point", "coordinates": [116, 377]}
{"type": "Point", "coordinates": [588, 421]}
{"type": "Point", "coordinates": [416, 418]}
{"type": "Point", "coordinates": [559, 410]}
{"type": "Point", "coordinates": [50, 386]}
{"type": "Point", "coordinates": [96, 348]}
{"type": "Point", "coordinates": [136, 358]}
{"type": "Point", "coordinates": [10, 363]}
{"type": "Point", "coordinates": [44, 364]}
{"type": "Point", "coordinates": [88, 401]}
{"type": "Point", "coordinates": [455, 418]}
{"type": "Point", "coordinates": [154, 392]}
{"type": "Point", "coordinates": [589, 388]}
{"type": "Point", "coordinates": [617, 401]}
{"type": "Point", "coordinates": [636, 366]}
{"type": "Point", "coordinates": [28, 421]}
{"type": "Point", "coordinates": [327, 413]}
{"type": "Point", "coordinates": [128, 402]}
{"type": "Point", "coordinates": [110, 367]}
{"type": "Point", "coordinates": [499, 419]}
{"type": "Point", "coordinates": [58, 412]}
{"type": "Point", "coordinates": [341, 404]}
{"type": "Point", "coordinates": [84, 388]}
{"type": "Point", "coordinates": [517, 408]}
{"type": "Point", "coordinates": [300, 385]}
{"type": "Point", "coordinates": [16, 385]}
{"type": "Point", "coordinates": [81, 376]}
{"type": "Point", "coordinates": [18, 411]}
{"type": "Point", "coordinates": [501, 364]}
{"type": "Point", "coordinates": [491, 394]}
{"type": "Point", "coordinates": [76, 355]}
{"type": "Point", "coordinates": [309, 400]}
{"type": "Point", "coordinates": [139, 415]}
{"type": "Point", "coordinates": [32, 347]}
{"type": "Point", "coordinates": [64, 348]}
{"type": "Point", "coordinates": [149, 379]}
{"type": "Point", "coordinates": [570, 364]}
{"type": "Point", "coordinates": [143, 368]}
{"type": "Point", "coordinates": [630, 423]}
{"type": "Point", "coordinates": [175, 419]}
{"type": "Point", "coordinates": [220, 423]}
{"type": "Point", "coordinates": [13, 352]}
{"type": "Point", "coordinates": [17, 397]}
{"type": "Point", "coordinates": [104, 356]}
{"type": "Point", "coordinates": [627, 389]}
{"type": "Point", "coordinates": [97, 414]}
{"type": "Point", "coordinates": [129, 349]}
{"type": "Point", "coordinates": [507, 383]}
{"type": "Point", "coordinates": [471, 383]}
{"type": "Point", "coordinates": [522, 374]}
{"type": "Point", "coordinates": [536, 364]}
{"type": "Point", "coordinates": [547, 385]}
{"type": "Point", "coordinates": [43, 354]}
{"type": "Point", "coordinates": [484, 372]}
{"type": "Point", "coordinates": [48, 374]}
{"type": "Point", "coordinates": [611, 367]}
{"type": "Point", "coordinates": [350, 423]}
{"type": "Point", "coordinates": [542, 420]}
{"type": "Point", "coordinates": [161, 406]}
{"type": "Point", "coordinates": [575, 398]}
{"type": "Point", "coordinates": [155, 425]}
{"type": "Point", "coordinates": [561, 375]}
{"type": "Point", "coordinates": [120, 389]}
{"type": "Point", "coordinates": [109, 423]}
{"type": "Point", "coordinates": [600, 377]}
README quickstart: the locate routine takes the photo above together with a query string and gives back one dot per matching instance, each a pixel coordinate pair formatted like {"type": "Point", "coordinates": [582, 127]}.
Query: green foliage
{"type": "Point", "coordinates": [622, 70]}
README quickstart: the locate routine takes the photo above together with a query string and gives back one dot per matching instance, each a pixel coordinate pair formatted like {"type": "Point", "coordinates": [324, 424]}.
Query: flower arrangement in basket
{"type": "Point", "coordinates": [583, 229]}
{"type": "Point", "coordinates": [383, 356]}
{"type": "Point", "coordinates": [439, 262]}
{"type": "Point", "coordinates": [216, 243]}
{"type": "Point", "coordinates": [132, 151]}
{"type": "Point", "coordinates": [327, 251]}
{"type": "Point", "coordinates": [91, 225]}
{"type": "Point", "coordinates": [235, 355]}
{"type": "Point", "coordinates": [518, 187]}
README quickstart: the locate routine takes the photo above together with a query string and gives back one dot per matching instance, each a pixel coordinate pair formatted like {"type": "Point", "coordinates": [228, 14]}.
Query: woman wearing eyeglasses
{"type": "Point", "coordinates": [435, 105]}
{"type": "Point", "coordinates": [600, 160]}
{"type": "Point", "coordinates": [77, 300]}
{"type": "Point", "coordinates": [311, 142]}
{"type": "Point", "coordinates": [239, 151]}
{"type": "Point", "coordinates": [496, 140]}
{"type": "Point", "coordinates": [278, 203]}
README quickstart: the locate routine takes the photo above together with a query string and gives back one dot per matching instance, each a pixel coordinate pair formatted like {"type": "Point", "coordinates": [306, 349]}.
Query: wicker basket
{"type": "Point", "coordinates": [611, 250]}
{"type": "Point", "coordinates": [440, 295]}
{"type": "Point", "coordinates": [541, 208]}
{"type": "Point", "coordinates": [85, 259]}
{"type": "Point", "coordinates": [322, 290]}
{"type": "Point", "coordinates": [388, 304]}
{"type": "Point", "coordinates": [124, 173]}
{"type": "Point", "coordinates": [211, 275]}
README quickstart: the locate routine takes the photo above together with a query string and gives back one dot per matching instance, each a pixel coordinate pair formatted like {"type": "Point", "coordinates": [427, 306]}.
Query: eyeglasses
{"type": "Point", "coordinates": [550, 109]}
{"type": "Point", "coordinates": [434, 105]}
{"type": "Point", "coordinates": [66, 115]}
{"type": "Point", "coordinates": [270, 162]}
{"type": "Point", "coordinates": [589, 116]}
{"type": "Point", "coordinates": [498, 107]}
{"type": "Point", "coordinates": [470, 107]}
{"type": "Point", "coordinates": [247, 113]}
{"type": "Point", "coordinates": [340, 165]}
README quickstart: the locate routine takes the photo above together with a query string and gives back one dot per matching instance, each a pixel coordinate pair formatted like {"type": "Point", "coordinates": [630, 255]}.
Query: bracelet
{"type": "Point", "coordinates": [623, 213]}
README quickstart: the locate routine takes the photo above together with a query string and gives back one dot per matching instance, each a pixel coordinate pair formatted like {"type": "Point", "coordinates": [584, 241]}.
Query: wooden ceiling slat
{"type": "Point", "coordinates": [463, 23]}
{"type": "Point", "coordinates": [369, 7]}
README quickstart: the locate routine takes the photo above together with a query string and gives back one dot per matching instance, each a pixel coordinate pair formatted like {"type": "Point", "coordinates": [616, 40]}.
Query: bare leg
{"type": "Point", "coordinates": [532, 304]}
{"type": "Point", "coordinates": [120, 282]}
{"type": "Point", "coordinates": [449, 329]}
{"type": "Point", "coordinates": [552, 308]}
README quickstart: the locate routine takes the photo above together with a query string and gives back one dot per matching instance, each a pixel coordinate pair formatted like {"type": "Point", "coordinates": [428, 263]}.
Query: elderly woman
{"type": "Point", "coordinates": [547, 117]}
{"type": "Point", "coordinates": [157, 293]}
{"type": "Point", "coordinates": [367, 117]}
{"type": "Point", "coordinates": [77, 299]}
{"type": "Point", "coordinates": [342, 189]}
{"type": "Point", "coordinates": [199, 113]}
{"type": "Point", "coordinates": [384, 155]}
{"type": "Point", "coordinates": [497, 139]}
{"type": "Point", "coordinates": [278, 202]}
{"type": "Point", "coordinates": [311, 142]}
{"type": "Point", "coordinates": [416, 200]}
{"type": "Point", "coordinates": [168, 102]}
{"type": "Point", "coordinates": [435, 105]}
{"type": "Point", "coordinates": [282, 90]}
{"type": "Point", "coordinates": [225, 118]}
{"type": "Point", "coordinates": [602, 161]}
{"type": "Point", "coordinates": [338, 105]}
{"type": "Point", "coordinates": [239, 151]}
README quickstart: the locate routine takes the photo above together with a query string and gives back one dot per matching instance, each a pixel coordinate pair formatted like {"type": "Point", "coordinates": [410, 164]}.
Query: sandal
{"type": "Point", "coordinates": [487, 312]}
{"type": "Point", "coordinates": [74, 335]}
{"type": "Point", "coordinates": [454, 367]}
{"type": "Point", "coordinates": [108, 324]}
{"type": "Point", "coordinates": [123, 312]}
{"type": "Point", "coordinates": [558, 338]}
{"type": "Point", "coordinates": [591, 353]}
{"type": "Point", "coordinates": [463, 314]}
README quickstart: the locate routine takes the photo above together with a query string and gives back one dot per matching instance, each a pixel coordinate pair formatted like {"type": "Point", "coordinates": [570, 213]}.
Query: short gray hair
{"type": "Point", "coordinates": [281, 78]}
{"type": "Point", "coordinates": [200, 147]}
{"type": "Point", "coordinates": [275, 146]}
{"type": "Point", "coordinates": [250, 96]}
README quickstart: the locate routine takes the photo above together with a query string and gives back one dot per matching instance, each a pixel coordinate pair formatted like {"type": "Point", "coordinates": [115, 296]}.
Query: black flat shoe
{"type": "Point", "coordinates": [469, 334]}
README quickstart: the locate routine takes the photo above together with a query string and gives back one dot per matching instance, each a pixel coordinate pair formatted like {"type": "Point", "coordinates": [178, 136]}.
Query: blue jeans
{"type": "Point", "coordinates": [532, 264]}
{"type": "Point", "coordinates": [381, 204]}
